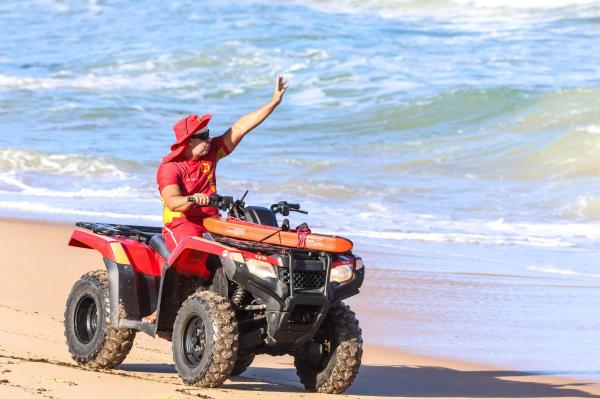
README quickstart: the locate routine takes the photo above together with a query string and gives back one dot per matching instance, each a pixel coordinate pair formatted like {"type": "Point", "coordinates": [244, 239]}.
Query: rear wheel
{"type": "Point", "coordinates": [91, 340]}
{"type": "Point", "coordinates": [329, 363]}
{"type": "Point", "coordinates": [205, 339]}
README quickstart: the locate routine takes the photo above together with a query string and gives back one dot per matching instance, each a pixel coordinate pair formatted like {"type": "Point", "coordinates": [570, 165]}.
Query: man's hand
{"type": "Point", "coordinates": [246, 123]}
{"type": "Point", "coordinates": [281, 86]}
{"type": "Point", "coordinates": [201, 199]}
{"type": "Point", "coordinates": [177, 202]}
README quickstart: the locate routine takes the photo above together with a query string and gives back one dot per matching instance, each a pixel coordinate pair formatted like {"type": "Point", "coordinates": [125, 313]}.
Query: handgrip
{"type": "Point", "coordinates": [214, 199]}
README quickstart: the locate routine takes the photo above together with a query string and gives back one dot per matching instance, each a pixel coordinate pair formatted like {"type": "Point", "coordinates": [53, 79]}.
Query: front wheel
{"type": "Point", "coordinates": [91, 340]}
{"type": "Point", "coordinates": [243, 361]}
{"type": "Point", "coordinates": [329, 362]}
{"type": "Point", "coordinates": [205, 339]}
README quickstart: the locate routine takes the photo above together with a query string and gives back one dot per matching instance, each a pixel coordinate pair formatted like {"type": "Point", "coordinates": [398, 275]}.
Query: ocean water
{"type": "Point", "coordinates": [455, 142]}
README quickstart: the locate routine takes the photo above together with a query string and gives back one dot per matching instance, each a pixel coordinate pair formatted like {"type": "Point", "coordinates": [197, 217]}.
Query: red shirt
{"type": "Point", "coordinates": [192, 177]}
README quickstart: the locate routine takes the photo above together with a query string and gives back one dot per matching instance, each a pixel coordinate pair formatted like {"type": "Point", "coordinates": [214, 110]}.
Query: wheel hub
{"type": "Point", "coordinates": [86, 319]}
{"type": "Point", "coordinates": [194, 341]}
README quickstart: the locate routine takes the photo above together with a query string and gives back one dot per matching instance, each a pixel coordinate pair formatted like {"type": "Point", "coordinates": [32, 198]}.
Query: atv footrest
{"type": "Point", "coordinates": [148, 328]}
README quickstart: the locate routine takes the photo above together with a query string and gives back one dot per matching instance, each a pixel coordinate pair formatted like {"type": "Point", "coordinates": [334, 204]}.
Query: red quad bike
{"type": "Point", "coordinates": [246, 287]}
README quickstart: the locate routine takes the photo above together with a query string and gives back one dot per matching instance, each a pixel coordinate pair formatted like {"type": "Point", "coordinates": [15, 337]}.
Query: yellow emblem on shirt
{"type": "Point", "coordinates": [205, 167]}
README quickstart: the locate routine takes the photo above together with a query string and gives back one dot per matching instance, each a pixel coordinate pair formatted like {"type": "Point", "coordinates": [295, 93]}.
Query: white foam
{"type": "Point", "coordinates": [92, 81]}
{"type": "Point", "coordinates": [561, 271]}
{"type": "Point", "coordinates": [519, 4]}
{"type": "Point", "coordinates": [584, 206]}
{"type": "Point", "coordinates": [468, 14]}
{"type": "Point", "coordinates": [461, 238]}
{"type": "Point", "coordinates": [15, 161]}
{"type": "Point", "coordinates": [592, 129]}
{"type": "Point", "coordinates": [119, 192]}
{"type": "Point", "coordinates": [400, 226]}
{"type": "Point", "coordinates": [308, 97]}
{"type": "Point", "coordinates": [315, 53]}
{"type": "Point", "coordinates": [377, 207]}
{"type": "Point", "coordinates": [39, 208]}
{"type": "Point", "coordinates": [59, 6]}
{"type": "Point", "coordinates": [562, 230]}
{"type": "Point", "coordinates": [137, 66]}
{"type": "Point", "coordinates": [70, 106]}
{"type": "Point", "coordinates": [94, 7]}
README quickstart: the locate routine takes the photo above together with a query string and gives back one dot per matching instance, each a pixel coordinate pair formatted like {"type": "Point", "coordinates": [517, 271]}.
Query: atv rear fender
{"type": "Point", "coordinates": [133, 275]}
{"type": "Point", "coordinates": [110, 248]}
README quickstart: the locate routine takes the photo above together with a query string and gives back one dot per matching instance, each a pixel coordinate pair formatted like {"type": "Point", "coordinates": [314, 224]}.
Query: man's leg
{"type": "Point", "coordinates": [173, 237]}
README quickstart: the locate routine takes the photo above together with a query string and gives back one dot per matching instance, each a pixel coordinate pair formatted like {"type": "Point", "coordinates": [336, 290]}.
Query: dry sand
{"type": "Point", "coordinates": [38, 270]}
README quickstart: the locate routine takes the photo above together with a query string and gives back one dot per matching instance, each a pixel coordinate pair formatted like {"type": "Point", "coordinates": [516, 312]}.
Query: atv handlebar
{"type": "Point", "coordinates": [225, 203]}
{"type": "Point", "coordinates": [216, 200]}
{"type": "Point", "coordinates": [284, 208]}
{"type": "Point", "coordinates": [220, 201]}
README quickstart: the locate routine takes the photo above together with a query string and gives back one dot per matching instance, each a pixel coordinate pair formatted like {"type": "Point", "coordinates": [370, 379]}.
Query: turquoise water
{"type": "Point", "coordinates": [456, 139]}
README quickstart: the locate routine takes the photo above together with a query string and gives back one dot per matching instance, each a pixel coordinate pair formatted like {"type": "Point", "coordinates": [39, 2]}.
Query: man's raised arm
{"type": "Point", "coordinates": [246, 123]}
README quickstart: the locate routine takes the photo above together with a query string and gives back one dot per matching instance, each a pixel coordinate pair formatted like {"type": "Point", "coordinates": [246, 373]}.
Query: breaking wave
{"type": "Point", "coordinates": [49, 210]}
{"type": "Point", "coordinates": [475, 8]}
{"type": "Point", "coordinates": [17, 161]}
{"type": "Point", "coordinates": [91, 81]}
{"type": "Point", "coordinates": [497, 133]}
{"type": "Point", "coordinates": [561, 271]}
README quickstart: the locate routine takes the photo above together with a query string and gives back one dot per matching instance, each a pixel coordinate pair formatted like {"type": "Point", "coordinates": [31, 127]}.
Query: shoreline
{"type": "Point", "coordinates": [42, 268]}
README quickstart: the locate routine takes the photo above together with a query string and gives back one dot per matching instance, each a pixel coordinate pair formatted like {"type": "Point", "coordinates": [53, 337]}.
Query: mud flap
{"type": "Point", "coordinates": [131, 295]}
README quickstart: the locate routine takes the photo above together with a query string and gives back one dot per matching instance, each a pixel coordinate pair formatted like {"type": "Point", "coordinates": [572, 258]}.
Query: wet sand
{"type": "Point", "coordinates": [38, 270]}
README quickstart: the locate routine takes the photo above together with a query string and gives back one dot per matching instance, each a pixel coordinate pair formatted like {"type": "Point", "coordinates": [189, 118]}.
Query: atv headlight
{"type": "Point", "coordinates": [341, 274]}
{"type": "Point", "coordinates": [260, 268]}
{"type": "Point", "coordinates": [359, 264]}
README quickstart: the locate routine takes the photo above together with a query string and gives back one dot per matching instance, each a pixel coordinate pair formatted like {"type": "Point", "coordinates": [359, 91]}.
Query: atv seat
{"type": "Point", "coordinates": [157, 243]}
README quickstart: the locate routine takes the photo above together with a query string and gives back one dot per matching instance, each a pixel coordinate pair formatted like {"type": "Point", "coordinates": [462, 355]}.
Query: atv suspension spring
{"type": "Point", "coordinates": [238, 296]}
{"type": "Point", "coordinates": [255, 307]}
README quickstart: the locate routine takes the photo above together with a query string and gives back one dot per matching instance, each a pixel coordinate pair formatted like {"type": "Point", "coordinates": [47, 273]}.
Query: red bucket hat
{"type": "Point", "coordinates": [183, 129]}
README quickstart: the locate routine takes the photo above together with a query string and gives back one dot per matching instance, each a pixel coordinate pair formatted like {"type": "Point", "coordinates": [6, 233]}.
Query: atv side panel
{"type": "Point", "coordinates": [143, 259]}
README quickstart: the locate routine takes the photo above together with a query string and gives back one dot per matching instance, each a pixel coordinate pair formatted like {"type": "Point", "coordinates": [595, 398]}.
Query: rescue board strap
{"type": "Point", "coordinates": [269, 236]}
{"type": "Point", "coordinates": [302, 231]}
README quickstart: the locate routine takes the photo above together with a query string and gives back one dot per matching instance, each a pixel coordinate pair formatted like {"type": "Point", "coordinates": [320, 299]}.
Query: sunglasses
{"type": "Point", "coordinates": [201, 136]}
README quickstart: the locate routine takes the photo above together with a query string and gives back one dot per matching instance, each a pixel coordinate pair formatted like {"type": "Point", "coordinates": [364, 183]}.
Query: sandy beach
{"type": "Point", "coordinates": [39, 269]}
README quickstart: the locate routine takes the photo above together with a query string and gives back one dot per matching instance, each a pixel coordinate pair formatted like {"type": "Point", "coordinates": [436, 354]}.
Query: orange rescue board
{"type": "Point", "coordinates": [259, 232]}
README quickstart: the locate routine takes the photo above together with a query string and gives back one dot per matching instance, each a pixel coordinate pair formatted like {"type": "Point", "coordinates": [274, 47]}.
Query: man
{"type": "Point", "coordinates": [187, 176]}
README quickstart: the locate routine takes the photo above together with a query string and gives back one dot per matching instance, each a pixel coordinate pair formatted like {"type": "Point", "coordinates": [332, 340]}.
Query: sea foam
{"type": "Point", "coordinates": [28, 207]}
{"type": "Point", "coordinates": [14, 160]}
{"type": "Point", "coordinates": [561, 271]}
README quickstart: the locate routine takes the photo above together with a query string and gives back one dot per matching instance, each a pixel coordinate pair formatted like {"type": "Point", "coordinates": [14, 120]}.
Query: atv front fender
{"type": "Point", "coordinates": [189, 257]}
